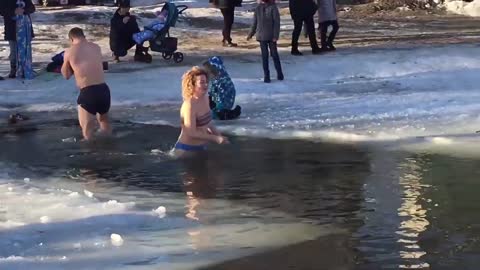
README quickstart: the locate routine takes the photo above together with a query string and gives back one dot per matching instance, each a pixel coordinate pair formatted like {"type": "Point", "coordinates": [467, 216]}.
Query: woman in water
{"type": "Point", "coordinates": [196, 116]}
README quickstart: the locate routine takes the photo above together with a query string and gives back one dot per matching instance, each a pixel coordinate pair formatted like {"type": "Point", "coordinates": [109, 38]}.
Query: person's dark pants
{"type": "Point", "coordinates": [228, 16]}
{"type": "Point", "coordinates": [265, 46]}
{"type": "Point", "coordinates": [127, 45]}
{"type": "Point", "coordinates": [126, 41]}
{"type": "Point", "coordinates": [297, 30]}
{"type": "Point", "coordinates": [13, 53]}
{"type": "Point", "coordinates": [323, 27]}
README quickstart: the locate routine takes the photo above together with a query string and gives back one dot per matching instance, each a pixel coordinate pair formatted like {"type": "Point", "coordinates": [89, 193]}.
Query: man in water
{"type": "Point", "coordinates": [84, 60]}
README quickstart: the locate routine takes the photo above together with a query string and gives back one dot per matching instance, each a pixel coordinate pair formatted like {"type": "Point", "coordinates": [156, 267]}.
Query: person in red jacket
{"type": "Point", "coordinates": [8, 9]}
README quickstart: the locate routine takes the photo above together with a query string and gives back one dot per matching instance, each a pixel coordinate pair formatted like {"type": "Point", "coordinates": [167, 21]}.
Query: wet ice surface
{"type": "Point", "coordinates": [389, 94]}
{"type": "Point", "coordinates": [118, 205]}
{"type": "Point", "coordinates": [404, 198]}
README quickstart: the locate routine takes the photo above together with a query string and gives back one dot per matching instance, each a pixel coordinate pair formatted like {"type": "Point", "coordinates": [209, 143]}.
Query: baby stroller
{"type": "Point", "coordinates": [162, 42]}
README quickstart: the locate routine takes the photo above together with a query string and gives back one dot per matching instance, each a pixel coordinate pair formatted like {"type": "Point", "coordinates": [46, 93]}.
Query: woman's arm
{"type": "Point", "coordinates": [213, 130]}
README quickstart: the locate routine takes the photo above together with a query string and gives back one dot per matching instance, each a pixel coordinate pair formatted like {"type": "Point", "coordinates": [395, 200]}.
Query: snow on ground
{"type": "Point", "coordinates": [346, 96]}
{"type": "Point", "coordinates": [464, 8]}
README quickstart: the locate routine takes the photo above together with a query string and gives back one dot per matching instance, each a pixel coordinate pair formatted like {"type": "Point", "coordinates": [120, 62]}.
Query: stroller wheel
{"type": "Point", "coordinates": [178, 57]}
{"type": "Point", "coordinates": [167, 56]}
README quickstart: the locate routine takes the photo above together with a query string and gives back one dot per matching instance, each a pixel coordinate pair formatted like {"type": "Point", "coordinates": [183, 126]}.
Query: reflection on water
{"type": "Point", "coordinates": [416, 216]}
{"type": "Point", "coordinates": [391, 209]}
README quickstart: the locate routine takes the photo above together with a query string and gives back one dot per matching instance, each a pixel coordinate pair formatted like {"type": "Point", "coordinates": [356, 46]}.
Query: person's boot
{"type": "Point", "coordinates": [229, 44]}
{"type": "Point", "coordinates": [266, 79]}
{"type": "Point", "coordinates": [330, 46]}
{"type": "Point", "coordinates": [229, 114]}
{"type": "Point", "coordinates": [13, 71]}
{"type": "Point", "coordinates": [1, 78]}
{"type": "Point", "coordinates": [296, 52]}
{"type": "Point", "coordinates": [280, 77]}
{"type": "Point", "coordinates": [235, 113]}
{"type": "Point", "coordinates": [142, 55]}
{"type": "Point", "coordinates": [317, 50]}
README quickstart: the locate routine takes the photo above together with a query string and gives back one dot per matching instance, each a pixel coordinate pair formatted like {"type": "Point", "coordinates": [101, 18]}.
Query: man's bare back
{"type": "Point", "coordinates": [85, 59]}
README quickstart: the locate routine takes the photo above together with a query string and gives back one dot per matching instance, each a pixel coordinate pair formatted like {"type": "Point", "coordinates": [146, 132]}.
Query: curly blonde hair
{"type": "Point", "coordinates": [188, 81]}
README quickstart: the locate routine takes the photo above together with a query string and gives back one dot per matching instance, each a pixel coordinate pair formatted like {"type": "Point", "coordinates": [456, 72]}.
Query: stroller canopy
{"type": "Point", "coordinates": [172, 14]}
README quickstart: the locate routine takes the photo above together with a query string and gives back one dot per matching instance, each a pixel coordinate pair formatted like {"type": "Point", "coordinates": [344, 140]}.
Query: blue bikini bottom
{"type": "Point", "coordinates": [191, 148]}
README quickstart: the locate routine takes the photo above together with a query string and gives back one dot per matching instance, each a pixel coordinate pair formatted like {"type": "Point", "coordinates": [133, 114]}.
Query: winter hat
{"type": "Point", "coordinates": [124, 3]}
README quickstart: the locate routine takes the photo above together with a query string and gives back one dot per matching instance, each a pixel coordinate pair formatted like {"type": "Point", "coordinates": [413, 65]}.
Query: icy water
{"type": "Point", "coordinates": [259, 199]}
{"type": "Point", "coordinates": [397, 191]}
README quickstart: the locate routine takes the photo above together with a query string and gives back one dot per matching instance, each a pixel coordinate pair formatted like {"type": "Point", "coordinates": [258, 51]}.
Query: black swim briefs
{"type": "Point", "coordinates": [95, 98]}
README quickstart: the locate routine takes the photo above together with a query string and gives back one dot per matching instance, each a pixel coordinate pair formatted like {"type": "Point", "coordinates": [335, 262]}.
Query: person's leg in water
{"type": "Point", "coordinates": [104, 123]}
{"type": "Point", "coordinates": [87, 123]}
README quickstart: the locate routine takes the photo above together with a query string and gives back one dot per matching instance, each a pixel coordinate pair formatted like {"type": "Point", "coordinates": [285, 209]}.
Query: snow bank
{"type": "Point", "coordinates": [464, 8]}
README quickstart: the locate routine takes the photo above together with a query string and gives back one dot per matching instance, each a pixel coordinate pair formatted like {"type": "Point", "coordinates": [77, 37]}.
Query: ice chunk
{"type": "Point", "coordinates": [116, 239]}
{"type": "Point", "coordinates": [88, 193]}
{"type": "Point", "coordinates": [12, 258]}
{"type": "Point", "coordinates": [441, 140]}
{"type": "Point", "coordinates": [69, 140]}
{"type": "Point", "coordinates": [26, 180]}
{"type": "Point", "coordinates": [156, 151]}
{"type": "Point", "coordinates": [44, 219]}
{"type": "Point", "coordinates": [160, 211]}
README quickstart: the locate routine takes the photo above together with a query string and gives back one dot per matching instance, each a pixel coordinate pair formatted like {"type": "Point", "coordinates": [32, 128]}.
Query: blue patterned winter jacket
{"type": "Point", "coordinates": [222, 89]}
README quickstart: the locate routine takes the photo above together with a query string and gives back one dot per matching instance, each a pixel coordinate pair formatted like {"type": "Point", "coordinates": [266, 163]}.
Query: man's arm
{"type": "Point", "coordinates": [67, 71]}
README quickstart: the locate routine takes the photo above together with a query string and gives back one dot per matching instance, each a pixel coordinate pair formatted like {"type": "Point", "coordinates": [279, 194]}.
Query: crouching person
{"type": "Point", "coordinates": [221, 91]}
{"type": "Point", "coordinates": [122, 27]}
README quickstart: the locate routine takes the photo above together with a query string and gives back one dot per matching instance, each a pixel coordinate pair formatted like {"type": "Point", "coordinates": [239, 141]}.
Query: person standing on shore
{"type": "Point", "coordinates": [327, 16]}
{"type": "Point", "coordinates": [227, 7]}
{"type": "Point", "coordinates": [302, 11]}
{"type": "Point", "coordinates": [266, 24]}
{"type": "Point", "coordinates": [12, 14]}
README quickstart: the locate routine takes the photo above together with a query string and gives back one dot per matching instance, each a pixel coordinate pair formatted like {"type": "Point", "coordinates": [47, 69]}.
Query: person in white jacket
{"type": "Point", "coordinates": [327, 16]}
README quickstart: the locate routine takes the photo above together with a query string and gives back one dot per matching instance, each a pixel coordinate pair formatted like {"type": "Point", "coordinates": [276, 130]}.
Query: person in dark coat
{"type": "Point", "coordinates": [8, 9]}
{"type": "Point", "coordinates": [302, 11]}
{"type": "Point", "coordinates": [122, 27]}
{"type": "Point", "coordinates": [227, 7]}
